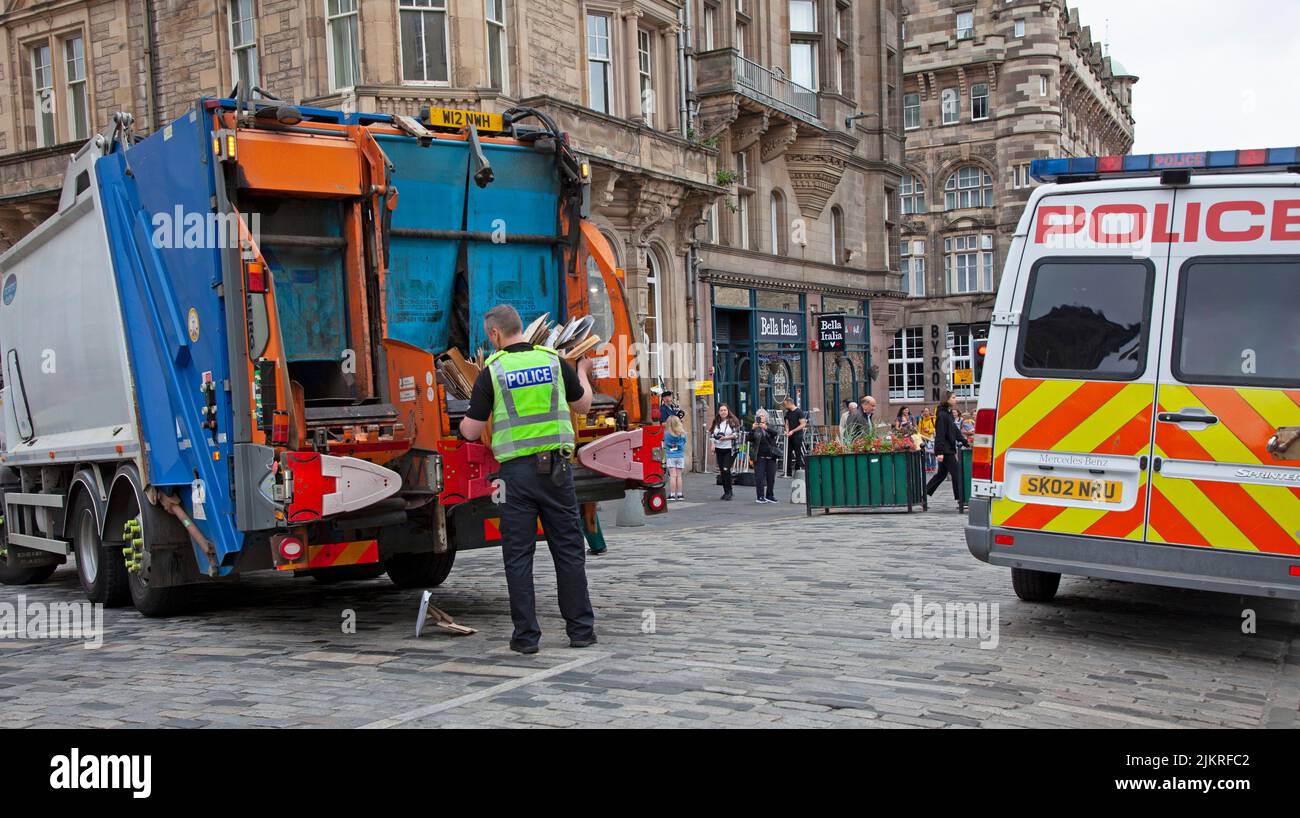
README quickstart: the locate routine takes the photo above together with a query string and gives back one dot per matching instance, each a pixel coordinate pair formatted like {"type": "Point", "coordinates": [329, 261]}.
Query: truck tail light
{"type": "Point", "coordinates": [982, 445]}
{"type": "Point", "coordinates": [292, 549]}
{"type": "Point", "coordinates": [256, 272]}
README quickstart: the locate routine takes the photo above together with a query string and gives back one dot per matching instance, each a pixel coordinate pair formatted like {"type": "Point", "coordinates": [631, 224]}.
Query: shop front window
{"type": "Point", "coordinates": [779, 378]}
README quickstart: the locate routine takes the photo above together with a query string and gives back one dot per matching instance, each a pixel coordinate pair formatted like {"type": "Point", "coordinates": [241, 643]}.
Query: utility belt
{"type": "Point", "coordinates": [556, 463]}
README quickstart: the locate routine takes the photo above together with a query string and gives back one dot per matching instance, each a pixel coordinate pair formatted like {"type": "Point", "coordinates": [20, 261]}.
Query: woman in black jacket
{"type": "Point", "coordinates": [762, 448]}
{"type": "Point", "coordinates": [947, 440]}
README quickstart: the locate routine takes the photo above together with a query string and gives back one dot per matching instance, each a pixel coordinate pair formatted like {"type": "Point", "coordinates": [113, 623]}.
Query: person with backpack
{"type": "Point", "coordinates": [675, 455]}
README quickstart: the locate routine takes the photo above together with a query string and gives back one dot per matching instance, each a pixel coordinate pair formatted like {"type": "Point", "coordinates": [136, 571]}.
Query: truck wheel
{"type": "Point", "coordinates": [152, 601]}
{"type": "Point", "coordinates": [1035, 586]}
{"type": "Point", "coordinates": [13, 575]}
{"type": "Point", "coordinates": [101, 568]}
{"type": "Point", "coordinates": [424, 570]}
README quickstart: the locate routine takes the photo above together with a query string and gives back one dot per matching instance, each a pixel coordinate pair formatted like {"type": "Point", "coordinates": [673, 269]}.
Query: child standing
{"type": "Point", "coordinates": [675, 456]}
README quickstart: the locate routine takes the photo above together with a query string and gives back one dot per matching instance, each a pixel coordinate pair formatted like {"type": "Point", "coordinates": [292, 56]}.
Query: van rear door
{"type": "Point", "coordinates": [1072, 443]}
{"type": "Point", "coordinates": [1231, 373]}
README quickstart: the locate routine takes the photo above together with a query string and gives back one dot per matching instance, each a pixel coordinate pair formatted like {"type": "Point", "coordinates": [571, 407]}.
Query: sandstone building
{"type": "Point", "coordinates": [747, 155]}
{"type": "Point", "coordinates": [989, 86]}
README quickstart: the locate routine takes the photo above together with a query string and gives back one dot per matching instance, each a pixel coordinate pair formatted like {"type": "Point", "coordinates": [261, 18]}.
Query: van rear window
{"type": "Point", "coordinates": [1087, 318]}
{"type": "Point", "coordinates": [1238, 322]}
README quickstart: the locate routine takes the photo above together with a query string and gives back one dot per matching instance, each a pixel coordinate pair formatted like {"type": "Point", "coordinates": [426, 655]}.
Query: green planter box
{"type": "Point", "coordinates": [965, 474]}
{"type": "Point", "coordinates": [866, 481]}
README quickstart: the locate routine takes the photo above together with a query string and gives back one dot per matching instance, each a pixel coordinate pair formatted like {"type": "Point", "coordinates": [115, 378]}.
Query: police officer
{"type": "Point", "coordinates": [527, 391]}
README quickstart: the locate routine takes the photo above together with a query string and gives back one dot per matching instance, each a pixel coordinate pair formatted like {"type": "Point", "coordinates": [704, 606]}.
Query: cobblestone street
{"type": "Point", "coordinates": [758, 616]}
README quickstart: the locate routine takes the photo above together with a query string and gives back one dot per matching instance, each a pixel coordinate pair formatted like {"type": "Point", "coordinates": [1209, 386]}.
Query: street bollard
{"type": "Point", "coordinates": [631, 513]}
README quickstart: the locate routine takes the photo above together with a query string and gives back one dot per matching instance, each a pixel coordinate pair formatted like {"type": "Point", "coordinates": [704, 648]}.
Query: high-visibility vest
{"type": "Point", "coordinates": [529, 410]}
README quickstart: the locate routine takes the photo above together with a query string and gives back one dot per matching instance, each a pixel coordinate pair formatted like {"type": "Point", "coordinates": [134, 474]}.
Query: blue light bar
{"type": "Point", "coordinates": [1152, 164]}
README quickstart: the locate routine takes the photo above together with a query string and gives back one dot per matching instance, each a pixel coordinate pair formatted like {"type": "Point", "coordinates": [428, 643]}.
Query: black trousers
{"type": "Point", "coordinates": [765, 477]}
{"type": "Point", "coordinates": [725, 458]}
{"type": "Point", "coordinates": [530, 496]}
{"type": "Point", "coordinates": [949, 466]}
{"type": "Point", "coordinates": [794, 445]}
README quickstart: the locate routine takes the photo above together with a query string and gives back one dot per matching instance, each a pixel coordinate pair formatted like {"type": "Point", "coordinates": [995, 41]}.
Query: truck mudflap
{"type": "Point", "coordinates": [468, 468]}
{"type": "Point", "coordinates": [1208, 569]}
{"type": "Point", "coordinates": [322, 485]}
{"type": "Point", "coordinates": [635, 455]}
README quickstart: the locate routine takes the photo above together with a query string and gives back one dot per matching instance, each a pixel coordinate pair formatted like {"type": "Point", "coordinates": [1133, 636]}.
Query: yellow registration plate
{"type": "Point", "coordinates": [1072, 488]}
{"type": "Point", "coordinates": [453, 118]}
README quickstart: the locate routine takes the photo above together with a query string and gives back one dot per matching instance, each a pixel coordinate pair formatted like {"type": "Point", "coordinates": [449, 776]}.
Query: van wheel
{"type": "Point", "coordinates": [424, 570]}
{"type": "Point", "coordinates": [1035, 586]}
{"type": "Point", "coordinates": [101, 568]}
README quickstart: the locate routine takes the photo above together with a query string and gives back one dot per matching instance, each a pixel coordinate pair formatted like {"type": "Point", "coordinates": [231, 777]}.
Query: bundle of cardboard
{"type": "Point", "coordinates": [572, 340]}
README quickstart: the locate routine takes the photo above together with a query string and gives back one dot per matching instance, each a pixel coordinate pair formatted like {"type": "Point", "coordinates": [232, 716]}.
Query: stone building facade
{"type": "Point", "coordinates": [989, 86]}
{"type": "Point", "coordinates": [744, 152]}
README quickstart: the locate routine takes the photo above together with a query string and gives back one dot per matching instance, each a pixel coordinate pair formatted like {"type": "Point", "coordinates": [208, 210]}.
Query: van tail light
{"type": "Point", "coordinates": [982, 447]}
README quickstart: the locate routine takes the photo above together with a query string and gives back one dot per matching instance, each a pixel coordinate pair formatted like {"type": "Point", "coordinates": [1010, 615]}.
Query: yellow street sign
{"type": "Point", "coordinates": [704, 388]}
{"type": "Point", "coordinates": [453, 118]}
{"type": "Point", "coordinates": [963, 377]}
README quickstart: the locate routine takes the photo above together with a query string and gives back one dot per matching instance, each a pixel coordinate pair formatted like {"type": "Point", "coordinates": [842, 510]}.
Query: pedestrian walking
{"type": "Point", "coordinates": [763, 449]}
{"type": "Point", "coordinates": [675, 455]}
{"type": "Point", "coordinates": [795, 424]}
{"type": "Point", "coordinates": [527, 391]}
{"type": "Point", "coordinates": [862, 419]}
{"type": "Point", "coordinates": [948, 441]}
{"type": "Point", "coordinates": [724, 431]}
{"type": "Point", "coordinates": [847, 408]}
{"type": "Point", "coordinates": [867, 406]}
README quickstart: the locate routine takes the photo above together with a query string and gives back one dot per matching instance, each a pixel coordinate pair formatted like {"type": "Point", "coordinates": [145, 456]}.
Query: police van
{"type": "Point", "coordinates": [1140, 401]}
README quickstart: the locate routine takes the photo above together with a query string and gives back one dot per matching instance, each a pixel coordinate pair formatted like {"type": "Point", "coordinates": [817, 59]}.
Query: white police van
{"type": "Point", "coordinates": [1141, 393]}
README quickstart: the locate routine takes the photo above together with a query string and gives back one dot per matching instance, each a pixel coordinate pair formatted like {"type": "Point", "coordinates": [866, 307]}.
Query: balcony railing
{"type": "Point", "coordinates": [771, 86]}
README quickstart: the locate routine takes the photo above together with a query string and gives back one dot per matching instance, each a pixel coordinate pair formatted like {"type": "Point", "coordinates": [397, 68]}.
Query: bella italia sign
{"type": "Point", "coordinates": [831, 329]}
{"type": "Point", "coordinates": [780, 326]}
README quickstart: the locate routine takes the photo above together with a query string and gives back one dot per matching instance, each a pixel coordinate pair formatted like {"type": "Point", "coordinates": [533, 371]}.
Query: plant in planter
{"type": "Point", "coordinates": [866, 470]}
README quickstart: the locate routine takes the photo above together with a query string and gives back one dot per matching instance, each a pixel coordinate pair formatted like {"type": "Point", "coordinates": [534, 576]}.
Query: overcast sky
{"type": "Point", "coordinates": [1214, 75]}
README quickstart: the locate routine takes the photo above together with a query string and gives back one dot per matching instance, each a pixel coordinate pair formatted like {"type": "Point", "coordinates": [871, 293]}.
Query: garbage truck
{"type": "Point", "coordinates": [222, 353]}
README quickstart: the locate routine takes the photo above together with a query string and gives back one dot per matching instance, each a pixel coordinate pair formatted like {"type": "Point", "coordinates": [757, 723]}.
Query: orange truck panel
{"type": "Point", "coordinates": [301, 164]}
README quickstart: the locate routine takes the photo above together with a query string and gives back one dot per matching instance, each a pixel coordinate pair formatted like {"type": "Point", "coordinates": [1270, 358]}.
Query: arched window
{"type": "Point", "coordinates": [911, 192]}
{"type": "Point", "coordinates": [968, 186]}
{"type": "Point", "coordinates": [777, 223]}
{"type": "Point", "coordinates": [838, 256]}
{"type": "Point", "coordinates": [653, 310]}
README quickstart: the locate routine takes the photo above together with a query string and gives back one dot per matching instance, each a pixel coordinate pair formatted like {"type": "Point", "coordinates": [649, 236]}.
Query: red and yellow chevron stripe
{"type": "Point", "coordinates": [1080, 417]}
{"type": "Point", "coordinates": [336, 554]}
{"type": "Point", "coordinates": [1217, 514]}
{"type": "Point", "coordinates": [492, 529]}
